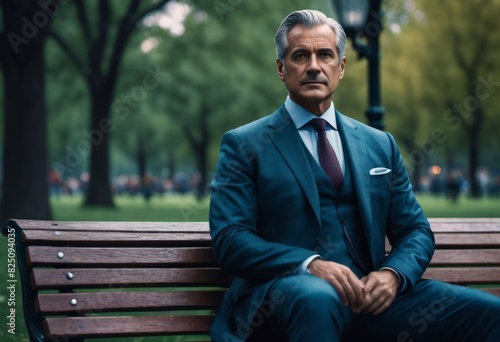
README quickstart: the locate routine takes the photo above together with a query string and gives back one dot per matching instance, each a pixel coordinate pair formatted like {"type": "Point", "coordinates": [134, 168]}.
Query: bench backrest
{"type": "Point", "coordinates": [467, 252]}
{"type": "Point", "coordinates": [111, 279]}
{"type": "Point", "coordinates": [105, 279]}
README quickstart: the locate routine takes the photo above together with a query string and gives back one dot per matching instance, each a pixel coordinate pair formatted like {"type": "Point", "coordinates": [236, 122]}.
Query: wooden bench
{"type": "Point", "coordinates": [115, 279]}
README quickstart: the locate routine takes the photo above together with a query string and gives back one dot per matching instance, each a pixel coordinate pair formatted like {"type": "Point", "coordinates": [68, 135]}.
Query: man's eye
{"type": "Point", "coordinates": [326, 55]}
{"type": "Point", "coordinates": [299, 56]}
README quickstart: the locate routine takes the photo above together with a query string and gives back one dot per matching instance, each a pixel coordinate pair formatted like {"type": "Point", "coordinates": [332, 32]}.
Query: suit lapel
{"type": "Point", "coordinates": [354, 145]}
{"type": "Point", "coordinates": [285, 137]}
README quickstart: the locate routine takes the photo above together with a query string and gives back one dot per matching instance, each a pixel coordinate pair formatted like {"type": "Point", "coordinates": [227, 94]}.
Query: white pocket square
{"type": "Point", "coordinates": [379, 171]}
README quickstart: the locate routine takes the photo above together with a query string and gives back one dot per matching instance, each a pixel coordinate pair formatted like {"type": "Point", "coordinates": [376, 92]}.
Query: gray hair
{"type": "Point", "coordinates": [308, 18]}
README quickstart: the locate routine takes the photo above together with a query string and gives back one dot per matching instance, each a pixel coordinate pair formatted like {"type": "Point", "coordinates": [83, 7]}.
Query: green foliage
{"type": "Point", "coordinates": [223, 69]}
{"type": "Point", "coordinates": [67, 108]}
{"type": "Point", "coordinates": [433, 67]}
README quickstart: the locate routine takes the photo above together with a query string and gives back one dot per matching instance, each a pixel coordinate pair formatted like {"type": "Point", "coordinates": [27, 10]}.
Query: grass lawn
{"type": "Point", "coordinates": [184, 208]}
{"type": "Point", "coordinates": [187, 208]}
{"type": "Point", "coordinates": [170, 208]}
{"type": "Point", "coordinates": [464, 207]}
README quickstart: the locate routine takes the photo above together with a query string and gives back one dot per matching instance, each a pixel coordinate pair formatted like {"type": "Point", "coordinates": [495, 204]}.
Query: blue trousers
{"type": "Point", "coordinates": [306, 308]}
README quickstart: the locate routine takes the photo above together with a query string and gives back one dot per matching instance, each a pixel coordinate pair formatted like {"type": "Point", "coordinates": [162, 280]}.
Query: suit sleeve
{"type": "Point", "coordinates": [233, 219]}
{"type": "Point", "coordinates": [407, 229]}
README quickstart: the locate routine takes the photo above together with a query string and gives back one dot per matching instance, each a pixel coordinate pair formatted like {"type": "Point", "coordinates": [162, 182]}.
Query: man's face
{"type": "Point", "coordinates": [312, 68]}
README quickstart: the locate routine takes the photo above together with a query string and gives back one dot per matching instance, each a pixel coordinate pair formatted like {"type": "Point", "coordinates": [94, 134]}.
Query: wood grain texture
{"type": "Point", "coordinates": [121, 257]}
{"type": "Point", "coordinates": [90, 327]}
{"type": "Point", "coordinates": [437, 225]}
{"type": "Point", "coordinates": [161, 227]}
{"type": "Point", "coordinates": [466, 257]}
{"type": "Point", "coordinates": [46, 279]}
{"type": "Point", "coordinates": [105, 238]}
{"type": "Point", "coordinates": [465, 224]}
{"type": "Point", "coordinates": [467, 240]}
{"type": "Point", "coordinates": [108, 301]}
{"type": "Point", "coordinates": [465, 275]}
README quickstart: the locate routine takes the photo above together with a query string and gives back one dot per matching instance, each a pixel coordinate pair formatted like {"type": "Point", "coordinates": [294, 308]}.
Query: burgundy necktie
{"type": "Point", "coordinates": [327, 157]}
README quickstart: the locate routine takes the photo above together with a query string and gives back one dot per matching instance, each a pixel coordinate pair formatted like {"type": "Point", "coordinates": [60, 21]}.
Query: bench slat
{"type": "Point", "coordinates": [437, 224]}
{"type": "Point", "coordinates": [105, 238]}
{"type": "Point", "coordinates": [91, 327]}
{"type": "Point", "coordinates": [50, 304]}
{"type": "Point", "coordinates": [492, 290]}
{"type": "Point", "coordinates": [476, 225]}
{"type": "Point", "coordinates": [131, 257]}
{"type": "Point", "coordinates": [462, 240]}
{"type": "Point", "coordinates": [461, 257]}
{"type": "Point", "coordinates": [465, 275]}
{"type": "Point", "coordinates": [467, 240]}
{"type": "Point", "coordinates": [45, 279]}
{"type": "Point", "coordinates": [161, 227]}
{"type": "Point", "coordinates": [141, 257]}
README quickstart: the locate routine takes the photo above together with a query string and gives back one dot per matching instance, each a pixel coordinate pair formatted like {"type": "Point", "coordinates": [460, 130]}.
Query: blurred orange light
{"type": "Point", "coordinates": [436, 170]}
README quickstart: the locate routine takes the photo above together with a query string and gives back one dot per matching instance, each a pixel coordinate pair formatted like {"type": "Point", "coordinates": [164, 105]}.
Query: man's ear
{"type": "Point", "coordinates": [280, 67]}
{"type": "Point", "coordinates": [342, 67]}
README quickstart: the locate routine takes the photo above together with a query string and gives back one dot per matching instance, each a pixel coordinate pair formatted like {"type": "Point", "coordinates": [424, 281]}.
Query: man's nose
{"type": "Point", "coordinates": [313, 65]}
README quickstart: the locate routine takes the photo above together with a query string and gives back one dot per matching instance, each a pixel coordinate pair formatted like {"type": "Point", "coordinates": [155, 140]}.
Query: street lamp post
{"type": "Point", "coordinates": [361, 20]}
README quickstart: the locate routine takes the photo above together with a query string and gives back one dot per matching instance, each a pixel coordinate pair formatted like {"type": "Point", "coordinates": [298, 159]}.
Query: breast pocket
{"type": "Point", "coordinates": [381, 178]}
{"type": "Point", "coordinates": [380, 191]}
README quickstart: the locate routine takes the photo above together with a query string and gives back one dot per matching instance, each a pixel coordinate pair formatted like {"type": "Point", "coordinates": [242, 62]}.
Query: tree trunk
{"type": "Point", "coordinates": [200, 148]}
{"type": "Point", "coordinates": [171, 164]}
{"type": "Point", "coordinates": [203, 154]}
{"type": "Point", "coordinates": [416, 178]}
{"type": "Point", "coordinates": [99, 190]}
{"type": "Point", "coordinates": [202, 168]}
{"type": "Point", "coordinates": [25, 167]}
{"type": "Point", "coordinates": [141, 159]}
{"type": "Point", "coordinates": [101, 82]}
{"type": "Point", "coordinates": [474, 130]}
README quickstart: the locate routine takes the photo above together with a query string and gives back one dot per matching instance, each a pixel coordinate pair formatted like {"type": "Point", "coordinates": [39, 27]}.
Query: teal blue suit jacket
{"type": "Point", "coordinates": [265, 211]}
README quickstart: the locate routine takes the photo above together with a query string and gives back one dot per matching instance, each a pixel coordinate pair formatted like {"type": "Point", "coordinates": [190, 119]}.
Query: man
{"type": "Point", "coordinates": [299, 213]}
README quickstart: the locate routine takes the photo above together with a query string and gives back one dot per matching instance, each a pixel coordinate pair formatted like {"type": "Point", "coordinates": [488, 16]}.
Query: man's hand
{"type": "Point", "coordinates": [381, 288]}
{"type": "Point", "coordinates": [349, 287]}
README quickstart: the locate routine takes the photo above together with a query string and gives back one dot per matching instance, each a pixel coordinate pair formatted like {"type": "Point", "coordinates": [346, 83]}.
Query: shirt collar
{"type": "Point", "coordinates": [301, 116]}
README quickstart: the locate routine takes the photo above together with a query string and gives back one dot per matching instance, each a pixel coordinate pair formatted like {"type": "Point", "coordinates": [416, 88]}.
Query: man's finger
{"type": "Point", "coordinates": [340, 290]}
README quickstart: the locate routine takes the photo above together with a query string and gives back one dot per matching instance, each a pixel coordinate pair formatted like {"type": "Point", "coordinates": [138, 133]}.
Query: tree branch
{"type": "Point", "coordinates": [153, 8]}
{"type": "Point", "coordinates": [98, 47]}
{"type": "Point", "coordinates": [461, 60]}
{"type": "Point", "coordinates": [127, 25]}
{"type": "Point", "coordinates": [189, 136]}
{"type": "Point", "coordinates": [81, 12]}
{"type": "Point", "coordinates": [77, 61]}
{"type": "Point", "coordinates": [480, 50]}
